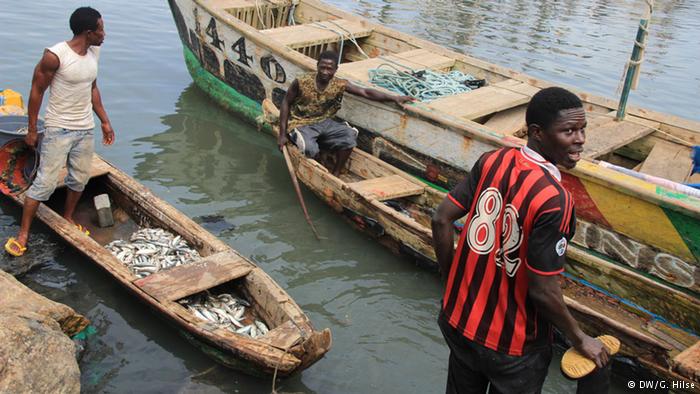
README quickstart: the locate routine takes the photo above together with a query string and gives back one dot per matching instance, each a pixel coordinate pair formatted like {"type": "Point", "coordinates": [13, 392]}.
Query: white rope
{"type": "Point", "coordinates": [259, 13]}
{"type": "Point", "coordinates": [292, 8]}
{"type": "Point", "coordinates": [351, 37]}
{"type": "Point", "coordinates": [340, 34]}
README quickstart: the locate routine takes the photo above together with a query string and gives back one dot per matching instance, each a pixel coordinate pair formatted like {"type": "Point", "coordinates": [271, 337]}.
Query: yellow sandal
{"type": "Point", "coordinates": [13, 247]}
{"type": "Point", "coordinates": [82, 229]}
{"type": "Point", "coordinates": [575, 365]}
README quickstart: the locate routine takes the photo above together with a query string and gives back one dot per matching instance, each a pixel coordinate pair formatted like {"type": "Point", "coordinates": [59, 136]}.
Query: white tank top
{"type": "Point", "coordinates": [70, 97]}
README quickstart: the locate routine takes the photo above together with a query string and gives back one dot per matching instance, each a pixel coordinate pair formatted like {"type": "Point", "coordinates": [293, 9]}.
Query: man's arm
{"type": "Point", "coordinates": [443, 234]}
{"type": "Point", "coordinates": [545, 292]}
{"type": "Point", "coordinates": [41, 80]}
{"type": "Point", "coordinates": [107, 131]}
{"type": "Point", "coordinates": [376, 95]}
{"type": "Point", "coordinates": [289, 98]}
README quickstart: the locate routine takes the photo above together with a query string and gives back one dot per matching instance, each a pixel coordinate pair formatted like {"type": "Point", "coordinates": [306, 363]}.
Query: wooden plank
{"type": "Point", "coordinates": [387, 187]}
{"type": "Point", "coordinates": [184, 280]}
{"type": "Point", "coordinates": [508, 122]}
{"type": "Point", "coordinates": [687, 363]}
{"type": "Point", "coordinates": [417, 59]}
{"type": "Point", "coordinates": [99, 167]}
{"type": "Point", "coordinates": [670, 161]}
{"type": "Point", "coordinates": [480, 102]}
{"type": "Point", "coordinates": [299, 36]}
{"type": "Point", "coordinates": [612, 135]}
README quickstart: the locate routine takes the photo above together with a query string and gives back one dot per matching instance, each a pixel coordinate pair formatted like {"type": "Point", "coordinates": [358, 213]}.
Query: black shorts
{"type": "Point", "coordinates": [473, 367]}
{"type": "Point", "coordinates": [328, 134]}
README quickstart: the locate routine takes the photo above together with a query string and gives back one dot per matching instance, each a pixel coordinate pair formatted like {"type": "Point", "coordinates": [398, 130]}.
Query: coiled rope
{"type": "Point", "coordinates": [424, 85]}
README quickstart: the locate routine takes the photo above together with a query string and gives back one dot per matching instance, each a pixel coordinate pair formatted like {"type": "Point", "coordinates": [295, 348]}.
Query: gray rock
{"type": "Point", "coordinates": [36, 353]}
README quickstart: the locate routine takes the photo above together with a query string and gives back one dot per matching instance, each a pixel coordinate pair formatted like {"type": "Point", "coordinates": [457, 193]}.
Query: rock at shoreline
{"type": "Point", "coordinates": [36, 354]}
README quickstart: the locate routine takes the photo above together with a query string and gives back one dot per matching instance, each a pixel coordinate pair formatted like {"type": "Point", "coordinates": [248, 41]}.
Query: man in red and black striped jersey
{"type": "Point", "coordinates": [502, 291]}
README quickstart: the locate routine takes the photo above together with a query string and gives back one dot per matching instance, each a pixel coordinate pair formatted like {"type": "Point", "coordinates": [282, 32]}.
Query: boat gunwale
{"type": "Point", "coordinates": [629, 185]}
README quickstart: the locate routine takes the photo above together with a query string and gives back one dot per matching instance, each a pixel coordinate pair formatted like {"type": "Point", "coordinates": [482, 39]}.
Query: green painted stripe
{"type": "Point", "coordinates": [218, 90]}
{"type": "Point", "coordinates": [688, 229]}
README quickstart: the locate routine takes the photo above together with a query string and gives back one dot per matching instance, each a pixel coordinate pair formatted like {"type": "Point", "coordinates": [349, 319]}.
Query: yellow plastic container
{"type": "Point", "coordinates": [9, 97]}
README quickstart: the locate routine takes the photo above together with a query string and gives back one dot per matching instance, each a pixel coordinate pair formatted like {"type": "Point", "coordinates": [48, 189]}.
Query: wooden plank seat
{"type": "Point", "coordinates": [387, 187]}
{"type": "Point", "coordinates": [687, 363]}
{"type": "Point", "coordinates": [416, 59]}
{"type": "Point", "coordinates": [507, 122]}
{"type": "Point", "coordinates": [99, 167]}
{"type": "Point", "coordinates": [612, 135]}
{"type": "Point", "coordinates": [670, 161]}
{"type": "Point", "coordinates": [484, 101]}
{"type": "Point", "coordinates": [299, 36]}
{"type": "Point", "coordinates": [184, 280]}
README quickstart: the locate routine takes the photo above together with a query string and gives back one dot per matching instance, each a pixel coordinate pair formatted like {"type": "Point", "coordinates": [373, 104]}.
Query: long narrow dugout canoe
{"type": "Point", "coordinates": [396, 208]}
{"type": "Point", "coordinates": [291, 345]}
{"type": "Point", "coordinates": [629, 231]}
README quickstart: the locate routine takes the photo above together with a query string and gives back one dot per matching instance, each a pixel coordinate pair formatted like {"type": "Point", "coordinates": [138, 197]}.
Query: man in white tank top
{"type": "Point", "coordinates": [69, 69]}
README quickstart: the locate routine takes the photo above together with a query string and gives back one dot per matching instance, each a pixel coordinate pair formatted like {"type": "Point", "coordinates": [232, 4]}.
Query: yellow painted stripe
{"type": "Point", "coordinates": [637, 219]}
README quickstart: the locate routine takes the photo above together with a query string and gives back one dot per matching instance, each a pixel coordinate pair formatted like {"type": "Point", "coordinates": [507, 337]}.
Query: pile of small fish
{"type": "Point", "coordinates": [225, 311]}
{"type": "Point", "coordinates": [151, 250]}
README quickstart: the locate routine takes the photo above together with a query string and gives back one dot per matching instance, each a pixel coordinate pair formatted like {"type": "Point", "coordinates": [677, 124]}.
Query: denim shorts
{"type": "Point", "coordinates": [59, 147]}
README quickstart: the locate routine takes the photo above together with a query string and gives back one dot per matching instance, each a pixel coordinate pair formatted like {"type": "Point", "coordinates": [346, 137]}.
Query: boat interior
{"type": "Point", "coordinates": [310, 27]}
{"type": "Point", "coordinates": [218, 271]}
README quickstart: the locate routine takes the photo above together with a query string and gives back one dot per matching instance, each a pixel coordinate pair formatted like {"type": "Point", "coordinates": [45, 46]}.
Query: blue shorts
{"type": "Point", "coordinates": [59, 147]}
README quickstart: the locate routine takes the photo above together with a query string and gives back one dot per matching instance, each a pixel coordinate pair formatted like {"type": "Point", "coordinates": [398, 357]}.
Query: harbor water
{"type": "Point", "coordinates": [232, 180]}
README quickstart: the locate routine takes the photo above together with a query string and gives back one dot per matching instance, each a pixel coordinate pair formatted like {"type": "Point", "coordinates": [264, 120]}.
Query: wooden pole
{"type": "Point", "coordinates": [635, 61]}
{"type": "Point", "coordinates": [293, 174]}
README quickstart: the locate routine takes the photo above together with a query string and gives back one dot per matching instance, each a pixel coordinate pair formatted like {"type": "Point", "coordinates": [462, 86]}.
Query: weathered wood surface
{"type": "Point", "coordinates": [299, 36]}
{"type": "Point", "coordinates": [507, 122]}
{"type": "Point", "coordinates": [480, 102]}
{"type": "Point", "coordinates": [666, 301]}
{"type": "Point", "coordinates": [417, 59]}
{"type": "Point", "coordinates": [184, 280]}
{"type": "Point", "coordinates": [670, 161]}
{"type": "Point", "coordinates": [387, 187]}
{"type": "Point", "coordinates": [614, 134]}
{"type": "Point", "coordinates": [687, 363]}
{"type": "Point", "coordinates": [98, 168]}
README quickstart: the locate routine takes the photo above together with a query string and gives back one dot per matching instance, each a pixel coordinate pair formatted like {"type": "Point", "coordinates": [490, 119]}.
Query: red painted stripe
{"type": "Point", "coordinates": [516, 345]}
{"type": "Point", "coordinates": [585, 206]}
{"type": "Point", "coordinates": [544, 273]}
{"type": "Point", "coordinates": [482, 297]}
{"type": "Point", "coordinates": [454, 200]}
{"type": "Point", "coordinates": [496, 327]}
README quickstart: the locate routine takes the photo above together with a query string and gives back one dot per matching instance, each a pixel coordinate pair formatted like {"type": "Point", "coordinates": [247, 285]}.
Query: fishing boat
{"type": "Point", "coordinates": [291, 344]}
{"type": "Point", "coordinates": [638, 228]}
{"type": "Point", "coordinates": [396, 208]}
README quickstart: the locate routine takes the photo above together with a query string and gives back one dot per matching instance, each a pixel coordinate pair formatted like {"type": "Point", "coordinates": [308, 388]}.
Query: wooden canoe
{"type": "Point", "coordinates": [396, 208]}
{"type": "Point", "coordinates": [243, 51]}
{"type": "Point", "coordinates": [292, 343]}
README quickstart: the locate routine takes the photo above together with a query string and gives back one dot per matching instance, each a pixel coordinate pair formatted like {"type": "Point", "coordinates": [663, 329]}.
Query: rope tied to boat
{"type": "Point", "coordinates": [641, 46]}
{"type": "Point", "coordinates": [424, 85]}
{"type": "Point", "coordinates": [340, 33]}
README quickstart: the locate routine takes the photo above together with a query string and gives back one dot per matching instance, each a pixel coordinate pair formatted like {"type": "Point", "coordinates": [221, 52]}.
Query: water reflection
{"type": "Point", "coordinates": [584, 44]}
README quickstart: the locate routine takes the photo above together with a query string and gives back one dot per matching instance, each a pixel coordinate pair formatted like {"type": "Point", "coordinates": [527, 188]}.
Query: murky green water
{"type": "Point", "coordinates": [232, 180]}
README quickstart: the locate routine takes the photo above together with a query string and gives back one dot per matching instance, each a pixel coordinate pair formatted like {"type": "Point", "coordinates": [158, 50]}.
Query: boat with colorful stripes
{"type": "Point", "coordinates": [638, 233]}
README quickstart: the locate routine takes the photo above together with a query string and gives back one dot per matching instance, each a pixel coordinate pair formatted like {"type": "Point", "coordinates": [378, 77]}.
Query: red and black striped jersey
{"type": "Point", "coordinates": [520, 218]}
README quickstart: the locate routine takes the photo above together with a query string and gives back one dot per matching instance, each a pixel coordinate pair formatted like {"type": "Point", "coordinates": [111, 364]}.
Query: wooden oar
{"type": "Point", "coordinates": [293, 174]}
